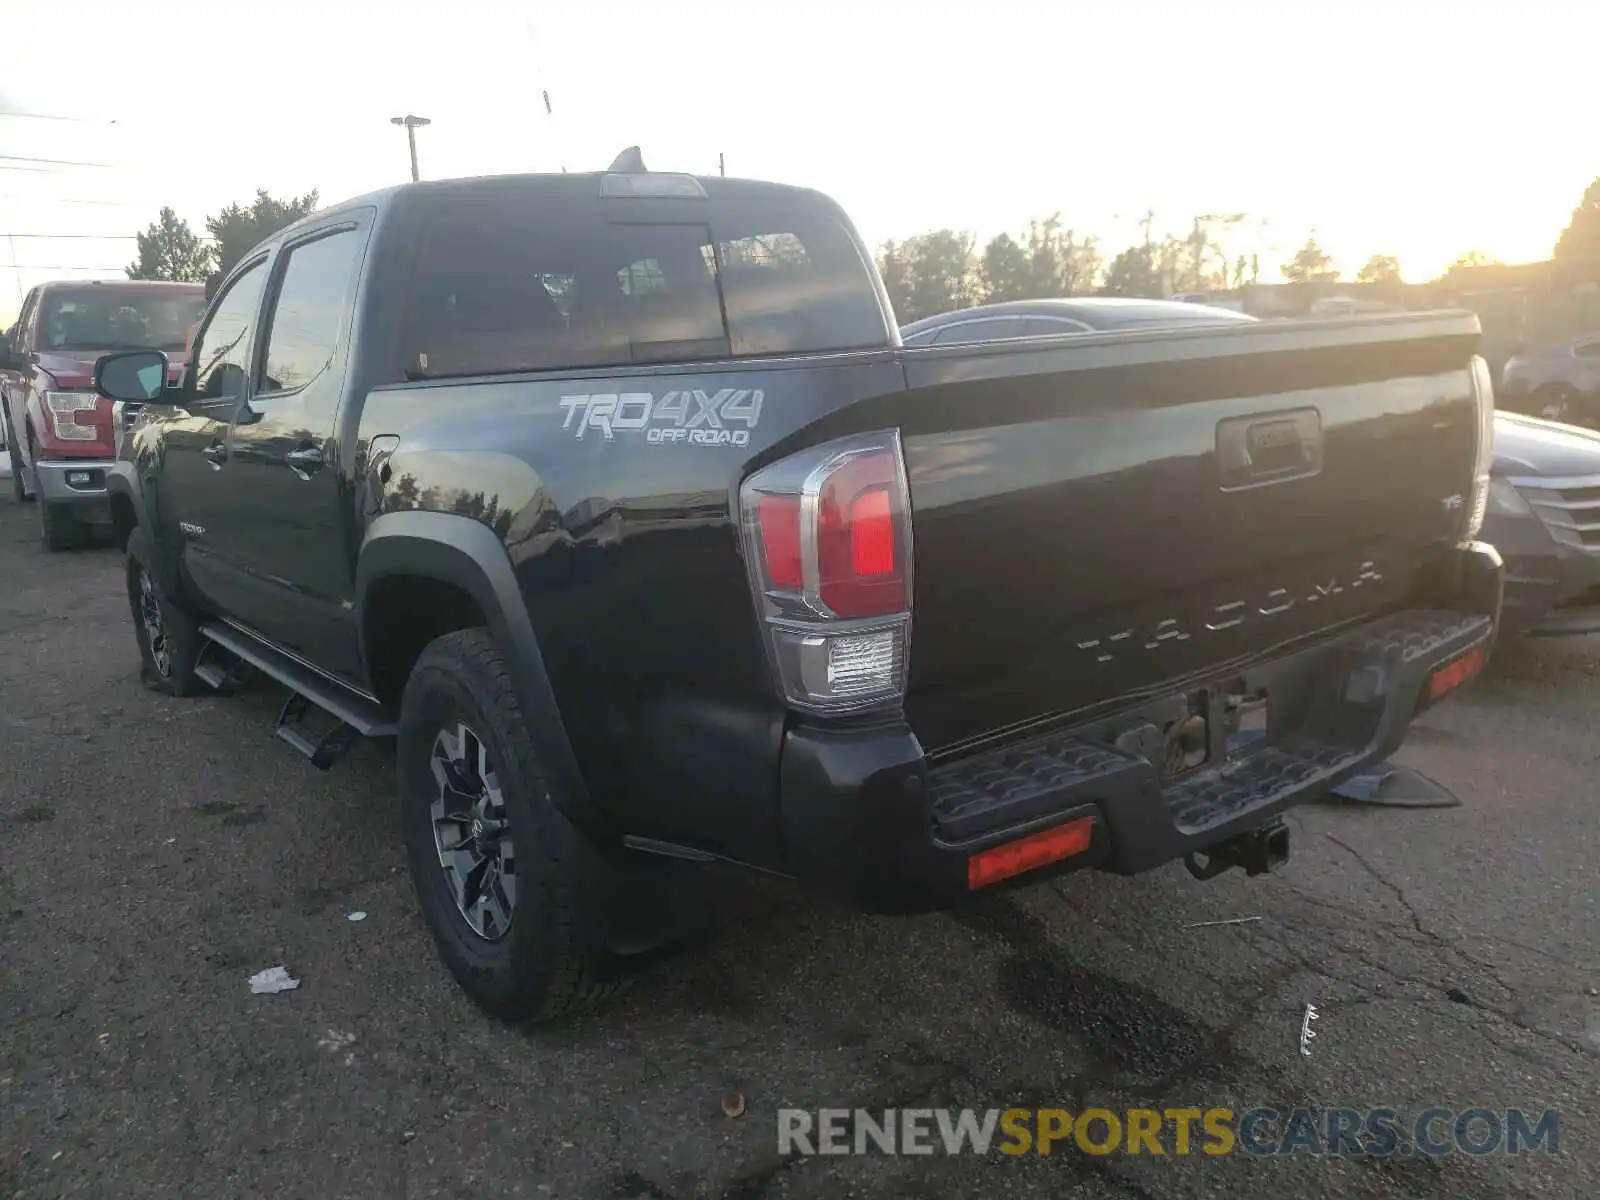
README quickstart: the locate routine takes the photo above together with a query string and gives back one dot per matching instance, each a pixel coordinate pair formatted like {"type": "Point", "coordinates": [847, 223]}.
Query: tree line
{"type": "Point", "coordinates": [169, 248]}
{"type": "Point", "coordinates": [944, 269]}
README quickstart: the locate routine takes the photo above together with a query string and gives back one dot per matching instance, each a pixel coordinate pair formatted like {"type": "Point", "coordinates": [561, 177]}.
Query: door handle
{"type": "Point", "coordinates": [216, 454]}
{"type": "Point", "coordinates": [304, 462]}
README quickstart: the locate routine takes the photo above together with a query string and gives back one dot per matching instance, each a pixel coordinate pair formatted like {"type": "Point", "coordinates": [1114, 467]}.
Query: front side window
{"type": "Point", "coordinates": [222, 350]}
{"type": "Point", "coordinates": [22, 330]}
{"type": "Point", "coordinates": [308, 314]}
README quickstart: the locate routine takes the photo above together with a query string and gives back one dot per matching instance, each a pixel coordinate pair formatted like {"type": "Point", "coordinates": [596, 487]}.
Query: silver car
{"type": "Point", "coordinates": [1558, 383]}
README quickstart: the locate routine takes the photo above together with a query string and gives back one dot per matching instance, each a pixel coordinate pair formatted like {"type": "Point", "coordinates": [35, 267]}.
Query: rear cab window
{"type": "Point", "coordinates": [522, 275]}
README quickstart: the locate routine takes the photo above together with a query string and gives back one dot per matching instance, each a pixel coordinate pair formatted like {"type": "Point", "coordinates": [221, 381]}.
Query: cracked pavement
{"type": "Point", "coordinates": [157, 853]}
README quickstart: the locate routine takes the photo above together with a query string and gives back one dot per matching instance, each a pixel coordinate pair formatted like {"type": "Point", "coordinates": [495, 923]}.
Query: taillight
{"type": "Point", "coordinates": [1478, 499]}
{"type": "Point", "coordinates": [827, 537]}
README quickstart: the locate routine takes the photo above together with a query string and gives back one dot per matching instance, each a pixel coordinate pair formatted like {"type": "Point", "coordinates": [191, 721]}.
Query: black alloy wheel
{"type": "Point", "coordinates": [472, 833]}
{"type": "Point", "coordinates": [155, 626]}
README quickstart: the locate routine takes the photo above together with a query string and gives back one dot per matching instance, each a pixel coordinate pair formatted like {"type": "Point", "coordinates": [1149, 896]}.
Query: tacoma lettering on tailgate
{"type": "Point", "coordinates": [1274, 602]}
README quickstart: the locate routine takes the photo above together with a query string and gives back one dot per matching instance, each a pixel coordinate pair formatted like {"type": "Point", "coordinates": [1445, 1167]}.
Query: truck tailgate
{"type": "Point", "coordinates": [1103, 517]}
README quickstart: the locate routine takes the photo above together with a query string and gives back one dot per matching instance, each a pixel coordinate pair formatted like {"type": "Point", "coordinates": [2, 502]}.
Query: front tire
{"type": "Point", "coordinates": [59, 529]}
{"type": "Point", "coordinates": [511, 892]}
{"type": "Point", "coordinates": [1556, 404]}
{"type": "Point", "coordinates": [169, 637]}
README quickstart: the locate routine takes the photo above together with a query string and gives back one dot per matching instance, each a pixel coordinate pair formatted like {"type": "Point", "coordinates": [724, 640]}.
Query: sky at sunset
{"type": "Point", "coordinates": [1412, 128]}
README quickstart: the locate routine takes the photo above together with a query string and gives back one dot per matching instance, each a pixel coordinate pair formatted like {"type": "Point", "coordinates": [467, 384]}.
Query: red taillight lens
{"type": "Point", "coordinates": [856, 555]}
{"type": "Point", "coordinates": [872, 534]}
{"type": "Point", "coordinates": [780, 539]}
{"type": "Point", "coordinates": [827, 541]}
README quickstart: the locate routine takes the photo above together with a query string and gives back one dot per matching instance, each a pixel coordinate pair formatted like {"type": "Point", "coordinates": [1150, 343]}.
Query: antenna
{"type": "Point", "coordinates": [544, 94]}
{"type": "Point", "coordinates": [630, 162]}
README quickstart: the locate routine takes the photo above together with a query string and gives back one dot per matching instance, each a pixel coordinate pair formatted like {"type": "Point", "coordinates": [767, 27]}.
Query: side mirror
{"type": "Point", "coordinates": [139, 376]}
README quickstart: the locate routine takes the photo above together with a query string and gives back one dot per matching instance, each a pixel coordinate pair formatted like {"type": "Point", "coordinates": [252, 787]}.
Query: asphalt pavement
{"type": "Point", "coordinates": [157, 853]}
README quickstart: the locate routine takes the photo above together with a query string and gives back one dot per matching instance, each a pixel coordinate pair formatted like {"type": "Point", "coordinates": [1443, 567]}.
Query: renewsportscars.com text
{"type": "Point", "coordinates": [1335, 1132]}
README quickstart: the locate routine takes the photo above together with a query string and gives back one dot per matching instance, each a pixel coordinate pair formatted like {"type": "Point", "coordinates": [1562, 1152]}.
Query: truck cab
{"type": "Point", "coordinates": [62, 437]}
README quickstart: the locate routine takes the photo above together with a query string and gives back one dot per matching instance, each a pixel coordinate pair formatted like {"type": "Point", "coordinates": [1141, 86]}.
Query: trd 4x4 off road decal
{"type": "Point", "coordinates": [692, 417]}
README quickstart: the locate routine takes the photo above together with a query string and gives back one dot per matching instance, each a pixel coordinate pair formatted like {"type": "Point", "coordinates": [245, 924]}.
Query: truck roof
{"type": "Point", "coordinates": [587, 183]}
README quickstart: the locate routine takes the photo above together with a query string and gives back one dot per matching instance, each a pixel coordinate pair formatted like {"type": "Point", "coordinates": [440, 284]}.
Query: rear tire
{"type": "Point", "coordinates": [517, 913]}
{"type": "Point", "coordinates": [169, 637]}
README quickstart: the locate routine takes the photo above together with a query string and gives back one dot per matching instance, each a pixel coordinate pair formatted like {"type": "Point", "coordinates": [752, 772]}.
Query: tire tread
{"type": "Point", "coordinates": [578, 974]}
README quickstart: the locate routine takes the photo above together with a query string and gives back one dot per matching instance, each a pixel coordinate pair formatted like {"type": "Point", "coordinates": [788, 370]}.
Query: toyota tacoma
{"type": "Point", "coordinates": [616, 500]}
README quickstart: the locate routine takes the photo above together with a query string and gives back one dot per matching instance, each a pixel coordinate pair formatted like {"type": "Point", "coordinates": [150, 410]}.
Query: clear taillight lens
{"type": "Point", "coordinates": [827, 539]}
{"type": "Point", "coordinates": [1478, 498]}
{"type": "Point", "coordinates": [65, 421]}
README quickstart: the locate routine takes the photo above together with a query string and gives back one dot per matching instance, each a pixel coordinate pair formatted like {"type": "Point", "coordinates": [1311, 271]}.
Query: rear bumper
{"type": "Point", "coordinates": [866, 814]}
{"type": "Point", "coordinates": [79, 482]}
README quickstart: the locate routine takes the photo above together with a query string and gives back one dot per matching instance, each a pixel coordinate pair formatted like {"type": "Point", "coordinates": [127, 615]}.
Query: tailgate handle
{"type": "Point", "coordinates": [1265, 448]}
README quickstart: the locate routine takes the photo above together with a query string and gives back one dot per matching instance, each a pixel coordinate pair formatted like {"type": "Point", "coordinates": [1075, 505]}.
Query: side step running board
{"type": "Point", "coordinates": [355, 714]}
{"type": "Point", "coordinates": [225, 671]}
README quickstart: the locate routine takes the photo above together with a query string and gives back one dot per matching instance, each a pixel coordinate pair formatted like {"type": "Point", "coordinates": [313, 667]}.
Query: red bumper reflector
{"type": "Point", "coordinates": [1453, 674]}
{"type": "Point", "coordinates": [1024, 854]}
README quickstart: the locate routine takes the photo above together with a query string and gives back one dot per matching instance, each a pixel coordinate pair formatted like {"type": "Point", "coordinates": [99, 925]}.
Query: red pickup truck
{"type": "Point", "coordinates": [60, 436]}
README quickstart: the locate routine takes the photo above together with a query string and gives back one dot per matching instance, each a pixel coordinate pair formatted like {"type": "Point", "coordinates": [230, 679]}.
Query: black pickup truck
{"type": "Point", "coordinates": [616, 500]}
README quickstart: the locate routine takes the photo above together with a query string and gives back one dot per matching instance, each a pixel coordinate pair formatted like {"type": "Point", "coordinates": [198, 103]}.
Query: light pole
{"type": "Point", "coordinates": [412, 124]}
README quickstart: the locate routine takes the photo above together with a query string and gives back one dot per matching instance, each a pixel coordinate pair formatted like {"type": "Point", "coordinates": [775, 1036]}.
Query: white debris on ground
{"type": "Point", "coordinates": [1308, 1034]}
{"type": "Point", "coordinates": [273, 979]}
{"type": "Point", "coordinates": [335, 1041]}
{"type": "Point", "coordinates": [358, 915]}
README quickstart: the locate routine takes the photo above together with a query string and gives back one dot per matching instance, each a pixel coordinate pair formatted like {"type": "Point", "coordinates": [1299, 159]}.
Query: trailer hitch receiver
{"type": "Point", "coordinates": [1258, 852]}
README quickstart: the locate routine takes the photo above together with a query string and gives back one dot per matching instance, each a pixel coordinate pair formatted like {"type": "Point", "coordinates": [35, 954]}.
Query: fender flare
{"type": "Point", "coordinates": [122, 482]}
{"type": "Point", "coordinates": [466, 553]}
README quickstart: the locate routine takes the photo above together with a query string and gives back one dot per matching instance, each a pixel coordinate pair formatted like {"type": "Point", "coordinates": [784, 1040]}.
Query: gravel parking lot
{"type": "Point", "coordinates": [157, 853]}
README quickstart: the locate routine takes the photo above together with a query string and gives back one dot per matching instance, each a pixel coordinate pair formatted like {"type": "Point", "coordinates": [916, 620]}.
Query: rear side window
{"type": "Point", "coordinates": [992, 330]}
{"type": "Point", "coordinates": [1050, 326]}
{"type": "Point", "coordinates": [309, 311]}
{"type": "Point", "coordinates": [506, 279]}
